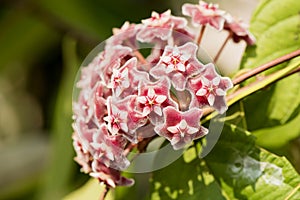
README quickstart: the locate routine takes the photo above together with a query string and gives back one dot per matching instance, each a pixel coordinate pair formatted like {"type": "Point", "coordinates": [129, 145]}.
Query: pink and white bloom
{"type": "Point", "coordinates": [123, 118]}
{"type": "Point", "coordinates": [109, 149]}
{"type": "Point", "coordinates": [126, 35]}
{"type": "Point", "coordinates": [178, 64]}
{"type": "Point", "coordinates": [119, 81]}
{"type": "Point", "coordinates": [83, 156]}
{"type": "Point", "coordinates": [239, 30]}
{"type": "Point", "coordinates": [181, 128]}
{"type": "Point", "coordinates": [125, 80]}
{"type": "Point", "coordinates": [151, 102]}
{"type": "Point", "coordinates": [152, 97]}
{"type": "Point", "coordinates": [205, 14]}
{"type": "Point", "coordinates": [112, 58]}
{"type": "Point", "coordinates": [209, 89]}
{"type": "Point", "coordinates": [160, 27]}
{"type": "Point", "coordinates": [117, 119]}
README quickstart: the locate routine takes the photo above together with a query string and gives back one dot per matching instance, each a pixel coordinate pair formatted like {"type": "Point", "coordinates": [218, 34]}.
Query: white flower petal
{"type": "Point", "coordinates": [126, 84]}
{"type": "Point", "coordinates": [185, 57]}
{"type": "Point", "coordinates": [220, 92]}
{"type": "Point", "coordinates": [181, 67]}
{"type": "Point", "coordinates": [157, 110]}
{"type": "Point", "coordinates": [166, 59]}
{"type": "Point", "coordinates": [160, 98]}
{"type": "Point", "coordinates": [176, 51]}
{"type": "Point", "coordinates": [123, 115]}
{"type": "Point", "coordinates": [142, 99]}
{"type": "Point", "coordinates": [111, 182]}
{"type": "Point", "coordinates": [175, 140]}
{"type": "Point", "coordinates": [201, 92]}
{"type": "Point", "coordinates": [205, 81]}
{"type": "Point", "coordinates": [170, 68]}
{"type": "Point", "coordinates": [151, 93]}
{"type": "Point", "coordinates": [183, 124]}
{"type": "Point", "coordinates": [114, 109]}
{"type": "Point", "coordinates": [172, 129]}
{"type": "Point", "coordinates": [211, 99]}
{"type": "Point", "coordinates": [118, 91]}
{"type": "Point", "coordinates": [216, 81]}
{"type": "Point", "coordinates": [124, 127]}
{"type": "Point", "coordinates": [146, 111]}
{"type": "Point", "coordinates": [192, 130]}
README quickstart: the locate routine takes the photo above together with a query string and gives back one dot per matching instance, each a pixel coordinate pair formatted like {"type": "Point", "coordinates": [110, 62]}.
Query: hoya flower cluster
{"type": "Point", "coordinates": [125, 96]}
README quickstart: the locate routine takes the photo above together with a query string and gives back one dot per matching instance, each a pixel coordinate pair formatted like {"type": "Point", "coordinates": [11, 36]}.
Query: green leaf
{"type": "Point", "coordinates": [91, 191]}
{"type": "Point", "coordinates": [276, 25]}
{"type": "Point", "coordinates": [278, 136]}
{"type": "Point", "coordinates": [235, 169]}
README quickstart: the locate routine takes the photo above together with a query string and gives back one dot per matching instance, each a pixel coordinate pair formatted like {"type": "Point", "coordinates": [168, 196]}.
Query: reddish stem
{"type": "Point", "coordinates": [266, 66]}
{"type": "Point", "coordinates": [104, 193]}
{"type": "Point", "coordinates": [201, 34]}
{"type": "Point", "coordinates": [222, 47]}
{"type": "Point", "coordinates": [140, 57]}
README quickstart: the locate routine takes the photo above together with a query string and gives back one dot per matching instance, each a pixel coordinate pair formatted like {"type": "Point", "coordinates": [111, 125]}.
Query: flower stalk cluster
{"type": "Point", "coordinates": [126, 97]}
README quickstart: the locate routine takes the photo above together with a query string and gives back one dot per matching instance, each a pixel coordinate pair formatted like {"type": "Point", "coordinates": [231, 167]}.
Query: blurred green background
{"type": "Point", "coordinates": [42, 44]}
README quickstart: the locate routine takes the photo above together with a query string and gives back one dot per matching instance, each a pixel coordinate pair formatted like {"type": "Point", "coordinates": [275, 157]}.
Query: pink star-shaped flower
{"type": "Point", "coordinates": [126, 79]}
{"type": "Point", "coordinates": [123, 118]}
{"type": "Point", "coordinates": [178, 64]}
{"type": "Point", "coordinates": [204, 14]}
{"type": "Point", "coordinates": [209, 88]}
{"type": "Point", "coordinates": [113, 58]}
{"type": "Point", "coordinates": [117, 119]}
{"type": "Point", "coordinates": [119, 81]}
{"type": "Point", "coordinates": [100, 101]}
{"type": "Point", "coordinates": [160, 26]}
{"type": "Point", "coordinates": [126, 35]}
{"type": "Point", "coordinates": [238, 29]}
{"type": "Point", "coordinates": [83, 156]}
{"type": "Point", "coordinates": [151, 102]}
{"type": "Point", "coordinates": [157, 19]}
{"type": "Point", "coordinates": [109, 148]}
{"type": "Point", "coordinates": [152, 97]}
{"type": "Point", "coordinates": [180, 128]}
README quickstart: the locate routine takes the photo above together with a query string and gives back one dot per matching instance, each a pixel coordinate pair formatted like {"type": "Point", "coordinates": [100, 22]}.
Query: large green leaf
{"type": "Point", "coordinates": [235, 169]}
{"type": "Point", "coordinates": [276, 25]}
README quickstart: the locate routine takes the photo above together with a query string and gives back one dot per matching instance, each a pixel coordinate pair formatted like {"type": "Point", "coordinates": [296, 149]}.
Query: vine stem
{"type": "Point", "coordinates": [266, 66]}
{"type": "Point", "coordinates": [104, 193]}
{"type": "Point", "coordinates": [140, 57]}
{"type": "Point", "coordinates": [222, 47]}
{"type": "Point", "coordinates": [201, 35]}
{"type": "Point", "coordinates": [255, 86]}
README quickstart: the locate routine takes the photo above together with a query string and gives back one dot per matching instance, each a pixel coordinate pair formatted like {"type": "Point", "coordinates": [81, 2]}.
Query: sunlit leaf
{"type": "Point", "coordinates": [235, 169]}
{"type": "Point", "coordinates": [91, 191]}
{"type": "Point", "coordinates": [276, 25]}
